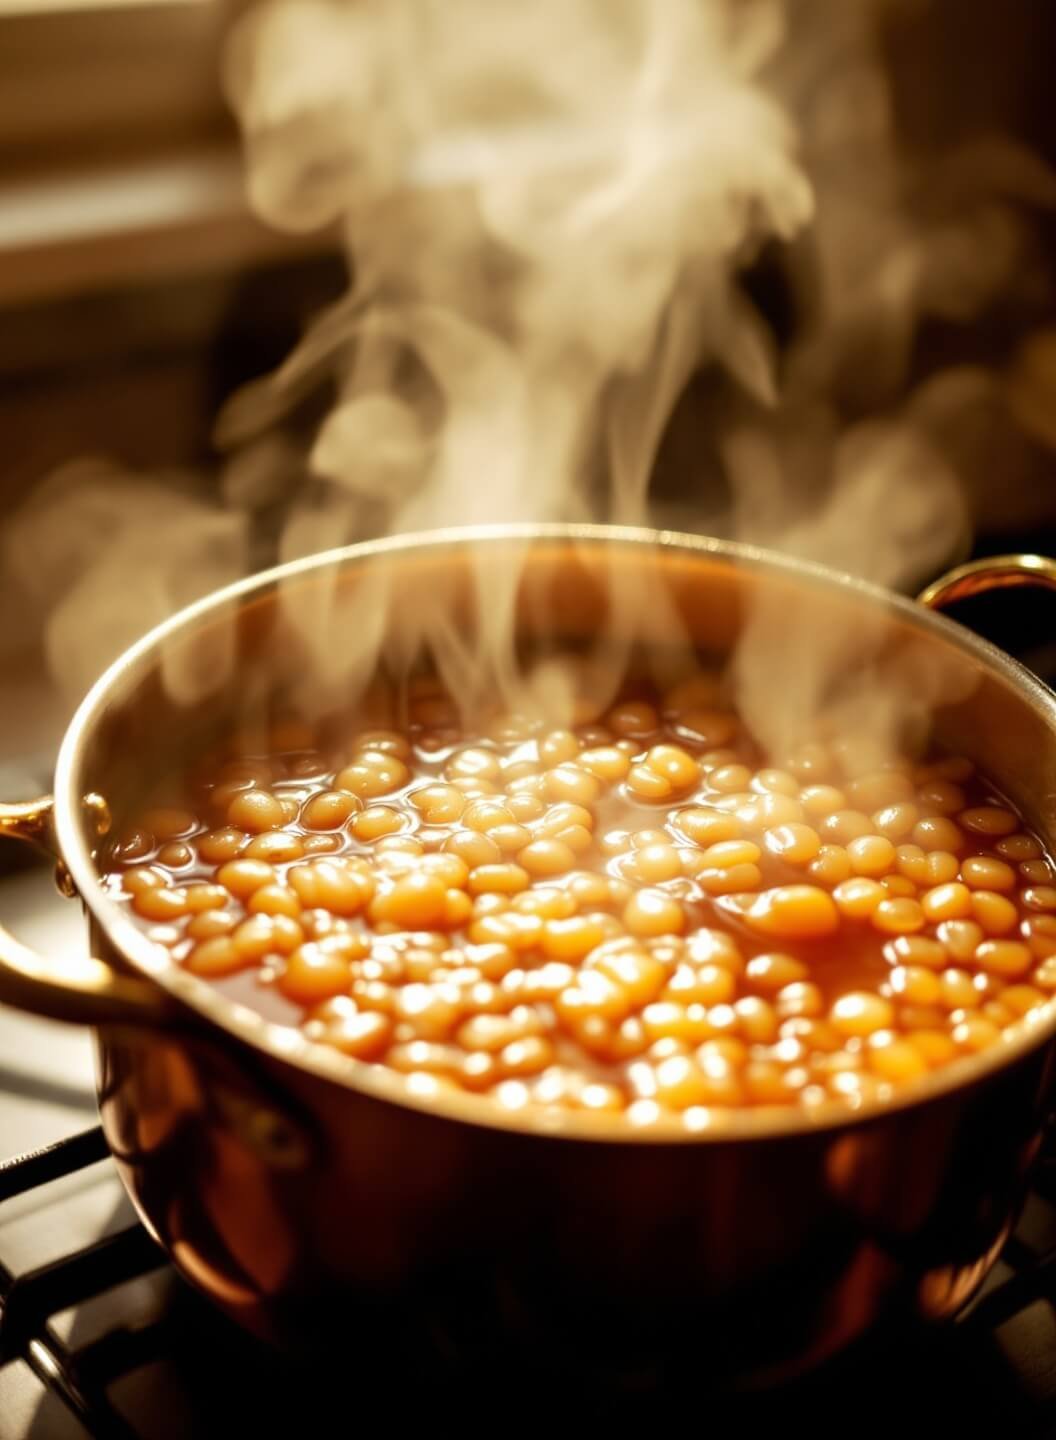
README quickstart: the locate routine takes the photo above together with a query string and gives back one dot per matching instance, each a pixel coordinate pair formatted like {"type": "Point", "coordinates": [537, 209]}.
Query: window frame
{"type": "Point", "coordinates": [119, 161]}
{"type": "Point", "coordinates": [86, 77]}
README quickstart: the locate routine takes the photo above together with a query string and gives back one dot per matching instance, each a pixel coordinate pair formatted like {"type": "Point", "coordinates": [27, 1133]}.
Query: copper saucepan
{"type": "Point", "coordinates": [302, 1190]}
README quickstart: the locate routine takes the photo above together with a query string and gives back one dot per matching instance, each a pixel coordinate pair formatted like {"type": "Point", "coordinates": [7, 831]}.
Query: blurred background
{"type": "Point", "coordinates": [137, 291]}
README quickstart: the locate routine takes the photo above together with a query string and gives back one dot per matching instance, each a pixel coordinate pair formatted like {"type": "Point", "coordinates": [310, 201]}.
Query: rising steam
{"type": "Point", "coordinates": [548, 211]}
{"type": "Point", "coordinates": [546, 207]}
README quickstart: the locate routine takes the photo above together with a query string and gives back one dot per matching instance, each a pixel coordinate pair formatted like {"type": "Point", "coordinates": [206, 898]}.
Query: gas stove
{"type": "Point", "coordinates": [99, 1337]}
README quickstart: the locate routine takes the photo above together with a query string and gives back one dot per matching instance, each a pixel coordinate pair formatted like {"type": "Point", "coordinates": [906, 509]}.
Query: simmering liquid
{"type": "Point", "coordinates": [638, 916]}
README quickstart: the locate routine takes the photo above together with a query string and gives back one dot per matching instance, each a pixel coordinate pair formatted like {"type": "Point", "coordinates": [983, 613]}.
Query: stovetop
{"type": "Point", "coordinates": [99, 1336]}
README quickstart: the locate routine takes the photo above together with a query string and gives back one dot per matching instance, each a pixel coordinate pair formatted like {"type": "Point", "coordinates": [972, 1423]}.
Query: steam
{"type": "Point", "coordinates": [545, 208]}
{"type": "Point", "coordinates": [549, 210]}
{"type": "Point", "coordinates": [104, 554]}
{"type": "Point", "coordinates": [854, 467]}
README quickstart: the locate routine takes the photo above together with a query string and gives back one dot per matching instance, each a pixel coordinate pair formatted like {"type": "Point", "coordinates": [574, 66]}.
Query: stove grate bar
{"type": "Point", "coordinates": [53, 1162]}
{"type": "Point", "coordinates": [34, 1297]}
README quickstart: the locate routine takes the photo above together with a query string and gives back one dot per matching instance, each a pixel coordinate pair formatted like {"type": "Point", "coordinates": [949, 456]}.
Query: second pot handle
{"type": "Point", "coordinates": [80, 990]}
{"type": "Point", "coordinates": [994, 572]}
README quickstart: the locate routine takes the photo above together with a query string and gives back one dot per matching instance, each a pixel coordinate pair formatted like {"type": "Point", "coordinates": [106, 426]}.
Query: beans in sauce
{"type": "Point", "coordinates": [639, 916]}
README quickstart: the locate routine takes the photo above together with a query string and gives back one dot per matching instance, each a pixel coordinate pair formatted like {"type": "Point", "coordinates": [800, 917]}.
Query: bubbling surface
{"type": "Point", "coordinates": [638, 916]}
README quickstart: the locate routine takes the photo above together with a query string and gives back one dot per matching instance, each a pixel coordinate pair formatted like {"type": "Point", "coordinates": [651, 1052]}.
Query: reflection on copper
{"type": "Point", "coordinates": [211, 1280]}
{"type": "Point", "coordinates": [237, 1201]}
{"type": "Point", "coordinates": [944, 1291]}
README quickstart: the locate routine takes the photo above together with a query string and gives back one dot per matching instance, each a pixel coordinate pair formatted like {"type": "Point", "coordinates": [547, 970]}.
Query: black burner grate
{"type": "Point", "coordinates": [100, 1338]}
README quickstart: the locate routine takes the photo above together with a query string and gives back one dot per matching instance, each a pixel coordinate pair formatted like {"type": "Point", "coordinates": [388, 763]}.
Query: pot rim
{"type": "Point", "coordinates": [286, 1044]}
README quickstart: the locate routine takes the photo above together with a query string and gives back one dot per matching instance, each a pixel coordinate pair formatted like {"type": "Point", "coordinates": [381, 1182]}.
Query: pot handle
{"type": "Point", "coordinates": [994, 572]}
{"type": "Point", "coordinates": [79, 990]}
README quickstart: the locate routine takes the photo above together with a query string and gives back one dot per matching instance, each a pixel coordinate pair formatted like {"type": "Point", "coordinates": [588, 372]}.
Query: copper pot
{"type": "Point", "coordinates": [303, 1191]}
